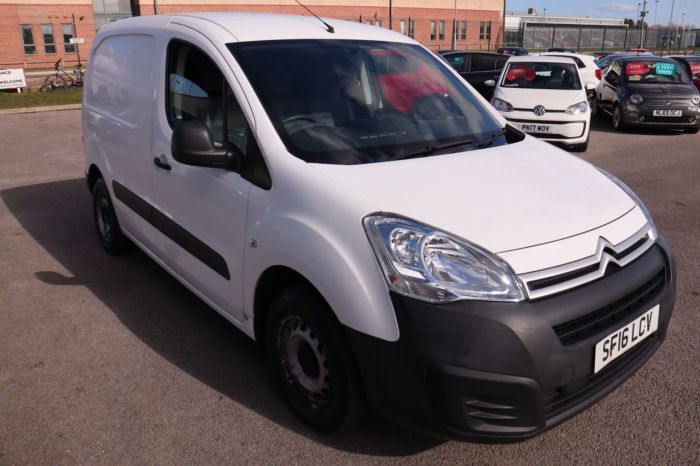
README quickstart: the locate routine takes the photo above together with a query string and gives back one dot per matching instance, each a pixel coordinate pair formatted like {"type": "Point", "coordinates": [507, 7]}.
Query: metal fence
{"type": "Point", "coordinates": [537, 37]}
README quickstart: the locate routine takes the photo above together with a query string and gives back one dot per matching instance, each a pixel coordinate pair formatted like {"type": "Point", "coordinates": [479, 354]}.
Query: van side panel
{"type": "Point", "coordinates": [117, 108]}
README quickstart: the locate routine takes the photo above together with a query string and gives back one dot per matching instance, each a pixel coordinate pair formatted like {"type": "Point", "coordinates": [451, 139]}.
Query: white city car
{"type": "Point", "coordinates": [545, 96]}
{"type": "Point", "coordinates": [342, 196]}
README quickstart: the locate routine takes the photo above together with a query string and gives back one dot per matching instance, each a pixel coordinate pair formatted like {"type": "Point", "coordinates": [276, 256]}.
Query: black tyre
{"type": "Point", "coordinates": [106, 223]}
{"type": "Point", "coordinates": [593, 103]}
{"type": "Point", "coordinates": [692, 130]}
{"type": "Point", "coordinates": [617, 123]}
{"type": "Point", "coordinates": [312, 361]}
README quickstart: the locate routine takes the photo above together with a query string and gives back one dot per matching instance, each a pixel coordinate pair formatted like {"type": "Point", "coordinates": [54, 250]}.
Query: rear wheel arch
{"type": "Point", "coordinates": [93, 174]}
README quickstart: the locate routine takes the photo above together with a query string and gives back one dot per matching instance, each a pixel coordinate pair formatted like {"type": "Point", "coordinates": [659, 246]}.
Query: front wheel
{"type": "Point", "coordinates": [581, 147]}
{"type": "Point", "coordinates": [617, 123]}
{"type": "Point", "coordinates": [692, 130]}
{"type": "Point", "coordinates": [593, 103]}
{"type": "Point", "coordinates": [312, 362]}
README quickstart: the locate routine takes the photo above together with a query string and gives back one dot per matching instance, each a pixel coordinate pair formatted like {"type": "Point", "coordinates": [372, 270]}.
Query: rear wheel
{"type": "Point", "coordinates": [617, 123]}
{"type": "Point", "coordinates": [312, 362]}
{"type": "Point", "coordinates": [110, 235]}
{"type": "Point", "coordinates": [55, 83]}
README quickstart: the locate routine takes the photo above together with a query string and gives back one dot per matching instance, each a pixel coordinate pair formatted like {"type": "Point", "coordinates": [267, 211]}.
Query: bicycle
{"type": "Point", "coordinates": [62, 80]}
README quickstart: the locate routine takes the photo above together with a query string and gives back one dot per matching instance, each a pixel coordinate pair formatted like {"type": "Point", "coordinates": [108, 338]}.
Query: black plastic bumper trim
{"type": "Point", "coordinates": [172, 230]}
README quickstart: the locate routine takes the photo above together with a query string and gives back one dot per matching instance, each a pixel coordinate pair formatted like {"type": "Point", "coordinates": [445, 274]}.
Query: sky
{"type": "Point", "coordinates": [620, 9]}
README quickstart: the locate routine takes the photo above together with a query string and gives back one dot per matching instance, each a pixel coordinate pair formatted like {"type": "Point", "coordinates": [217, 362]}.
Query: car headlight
{"type": "Point", "coordinates": [431, 265]}
{"type": "Point", "coordinates": [636, 99]}
{"type": "Point", "coordinates": [501, 105]}
{"type": "Point", "coordinates": [578, 108]}
{"type": "Point", "coordinates": [635, 198]}
{"type": "Point", "coordinates": [695, 99]}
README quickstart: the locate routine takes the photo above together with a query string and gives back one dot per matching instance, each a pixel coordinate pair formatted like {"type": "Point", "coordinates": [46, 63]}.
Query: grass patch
{"type": "Point", "coordinates": [40, 99]}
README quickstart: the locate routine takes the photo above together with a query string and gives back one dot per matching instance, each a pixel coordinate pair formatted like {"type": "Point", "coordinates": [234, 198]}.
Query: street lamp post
{"type": "Point", "coordinates": [670, 19]}
{"type": "Point", "coordinates": [642, 15]}
{"type": "Point", "coordinates": [454, 28]}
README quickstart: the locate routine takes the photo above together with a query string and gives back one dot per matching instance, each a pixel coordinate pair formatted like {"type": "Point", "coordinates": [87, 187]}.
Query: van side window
{"type": "Point", "coordinates": [197, 90]}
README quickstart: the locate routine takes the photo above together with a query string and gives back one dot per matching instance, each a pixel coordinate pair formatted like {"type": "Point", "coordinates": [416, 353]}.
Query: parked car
{"type": "Point", "coordinates": [561, 49]}
{"type": "Point", "coordinates": [640, 51]}
{"type": "Point", "coordinates": [588, 69]}
{"type": "Point", "coordinates": [692, 67]}
{"type": "Point", "coordinates": [477, 67]}
{"type": "Point", "coordinates": [649, 91]}
{"type": "Point", "coordinates": [517, 51]}
{"type": "Point", "coordinates": [385, 244]}
{"type": "Point", "coordinates": [604, 62]}
{"type": "Point", "coordinates": [545, 96]}
{"type": "Point", "coordinates": [599, 55]}
{"type": "Point", "coordinates": [443, 52]}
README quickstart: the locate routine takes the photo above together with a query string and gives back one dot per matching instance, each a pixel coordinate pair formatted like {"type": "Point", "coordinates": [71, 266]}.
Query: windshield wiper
{"type": "Point", "coordinates": [431, 149]}
{"type": "Point", "coordinates": [494, 138]}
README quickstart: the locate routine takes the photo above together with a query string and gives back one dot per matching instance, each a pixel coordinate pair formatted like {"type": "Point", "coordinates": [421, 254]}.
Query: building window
{"type": "Point", "coordinates": [47, 35]}
{"type": "Point", "coordinates": [463, 29]}
{"type": "Point", "coordinates": [411, 28]}
{"type": "Point", "coordinates": [368, 21]}
{"type": "Point", "coordinates": [402, 26]}
{"type": "Point", "coordinates": [442, 30]}
{"type": "Point", "coordinates": [378, 23]}
{"type": "Point", "coordinates": [68, 33]}
{"type": "Point", "coordinates": [485, 30]}
{"type": "Point", "coordinates": [28, 39]}
{"type": "Point", "coordinates": [432, 30]}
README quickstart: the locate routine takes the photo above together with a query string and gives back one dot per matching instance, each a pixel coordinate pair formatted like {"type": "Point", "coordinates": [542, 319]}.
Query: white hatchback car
{"type": "Point", "coordinates": [342, 196]}
{"type": "Point", "coordinates": [545, 96]}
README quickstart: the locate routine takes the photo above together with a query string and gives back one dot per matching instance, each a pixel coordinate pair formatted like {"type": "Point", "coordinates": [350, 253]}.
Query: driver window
{"type": "Point", "coordinates": [614, 72]}
{"type": "Point", "coordinates": [197, 90]}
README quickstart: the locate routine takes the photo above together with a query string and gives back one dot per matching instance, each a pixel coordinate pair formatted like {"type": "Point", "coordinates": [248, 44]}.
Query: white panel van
{"type": "Point", "coordinates": [340, 195]}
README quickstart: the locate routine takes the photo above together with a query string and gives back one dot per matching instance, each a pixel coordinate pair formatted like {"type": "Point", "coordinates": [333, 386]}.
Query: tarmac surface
{"type": "Point", "coordinates": [108, 360]}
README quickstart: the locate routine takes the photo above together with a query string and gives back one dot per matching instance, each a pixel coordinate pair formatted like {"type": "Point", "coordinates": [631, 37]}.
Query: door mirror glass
{"type": "Point", "coordinates": [192, 144]}
{"type": "Point", "coordinates": [490, 83]}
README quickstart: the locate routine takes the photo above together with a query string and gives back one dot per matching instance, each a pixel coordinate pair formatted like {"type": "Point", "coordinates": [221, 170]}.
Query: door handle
{"type": "Point", "coordinates": [160, 164]}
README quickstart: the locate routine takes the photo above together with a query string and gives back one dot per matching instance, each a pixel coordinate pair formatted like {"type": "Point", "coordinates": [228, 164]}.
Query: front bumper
{"type": "Point", "coordinates": [553, 127]}
{"type": "Point", "coordinates": [485, 371]}
{"type": "Point", "coordinates": [643, 115]}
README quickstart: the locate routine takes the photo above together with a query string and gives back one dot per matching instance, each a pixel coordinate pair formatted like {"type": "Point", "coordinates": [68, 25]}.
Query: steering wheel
{"type": "Point", "coordinates": [433, 107]}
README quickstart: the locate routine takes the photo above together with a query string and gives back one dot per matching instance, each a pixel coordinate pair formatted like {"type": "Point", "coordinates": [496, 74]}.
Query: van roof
{"type": "Point", "coordinates": [246, 27]}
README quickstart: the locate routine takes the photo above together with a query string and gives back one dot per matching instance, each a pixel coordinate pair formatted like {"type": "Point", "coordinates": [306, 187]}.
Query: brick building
{"type": "Point", "coordinates": [36, 33]}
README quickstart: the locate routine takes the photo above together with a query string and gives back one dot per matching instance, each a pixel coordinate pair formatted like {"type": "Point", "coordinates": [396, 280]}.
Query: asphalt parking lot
{"type": "Point", "coordinates": [108, 360]}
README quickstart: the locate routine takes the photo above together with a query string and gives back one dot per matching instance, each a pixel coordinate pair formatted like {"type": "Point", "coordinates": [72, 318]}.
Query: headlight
{"type": "Point", "coordinates": [431, 265]}
{"type": "Point", "coordinates": [635, 198]}
{"type": "Point", "coordinates": [501, 105]}
{"type": "Point", "coordinates": [577, 109]}
{"type": "Point", "coordinates": [695, 99]}
{"type": "Point", "coordinates": [636, 99]}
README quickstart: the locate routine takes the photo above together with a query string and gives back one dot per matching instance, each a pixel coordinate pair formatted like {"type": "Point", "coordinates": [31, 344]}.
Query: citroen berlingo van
{"type": "Point", "coordinates": [343, 197]}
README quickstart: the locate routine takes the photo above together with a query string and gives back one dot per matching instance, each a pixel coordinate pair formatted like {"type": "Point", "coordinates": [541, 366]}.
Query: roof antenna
{"type": "Point", "coordinates": [329, 28]}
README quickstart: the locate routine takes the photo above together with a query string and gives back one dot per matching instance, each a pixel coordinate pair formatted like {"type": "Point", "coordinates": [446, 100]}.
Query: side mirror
{"type": "Point", "coordinates": [490, 83]}
{"type": "Point", "coordinates": [192, 144]}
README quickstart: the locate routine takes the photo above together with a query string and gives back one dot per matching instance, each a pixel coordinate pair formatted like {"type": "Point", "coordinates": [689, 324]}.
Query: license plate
{"type": "Point", "coordinates": [623, 339]}
{"type": "Point", "coordinates": [671, 113]}
{"type": "Point", "coordinates": [534, 128]}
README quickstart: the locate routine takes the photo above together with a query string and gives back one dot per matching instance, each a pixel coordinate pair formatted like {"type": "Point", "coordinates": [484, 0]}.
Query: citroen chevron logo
{"type": "Point", "coordinates": [606, 252]}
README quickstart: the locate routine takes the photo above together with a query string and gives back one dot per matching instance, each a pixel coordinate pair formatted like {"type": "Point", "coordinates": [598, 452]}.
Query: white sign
{"type": "Point", "coordinates": [77, 40]}
{"type": "Point", "coordinates": [11, 79]}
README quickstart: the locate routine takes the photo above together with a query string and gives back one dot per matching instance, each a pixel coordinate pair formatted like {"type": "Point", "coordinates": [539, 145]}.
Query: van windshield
{"type": "Point", "coordinates": [354, 102]}
{"type": "Point", "coordinates": [541, 75]}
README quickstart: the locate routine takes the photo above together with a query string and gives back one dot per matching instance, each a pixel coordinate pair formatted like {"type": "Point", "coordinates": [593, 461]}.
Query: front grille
{"type": "Point", "coordinates": [594, 322]}
{"type": "Point", "coordinates": [561, 400]}
{"type": "Point", "coordinates": [608, 260]}
{"type": "Point", "coordinates": [666, 119]}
